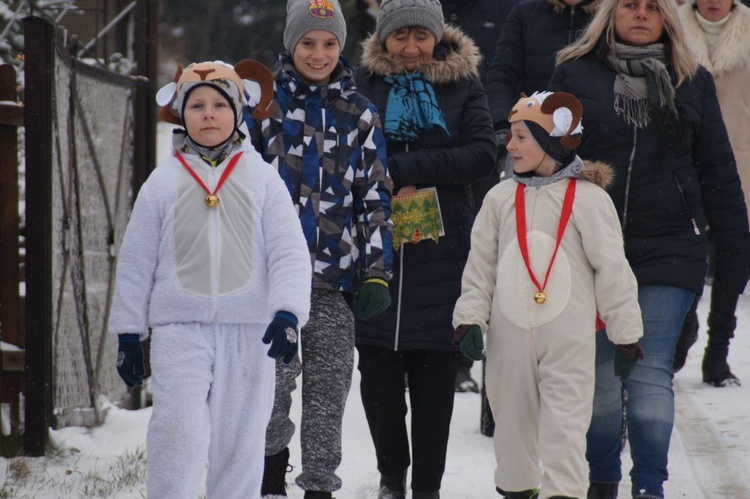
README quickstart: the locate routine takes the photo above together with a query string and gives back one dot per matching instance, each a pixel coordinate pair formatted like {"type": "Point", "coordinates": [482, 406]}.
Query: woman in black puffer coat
{"type": "Point", "coordinates": [524, 58]}
{"type": "Point", "coordinates": [653, 114]}
{"type": "Point", "coordinates": [413, 337]}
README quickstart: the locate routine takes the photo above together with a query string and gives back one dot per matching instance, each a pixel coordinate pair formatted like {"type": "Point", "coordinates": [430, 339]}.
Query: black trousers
{"type": "Point", "coordinates": [431, 376]}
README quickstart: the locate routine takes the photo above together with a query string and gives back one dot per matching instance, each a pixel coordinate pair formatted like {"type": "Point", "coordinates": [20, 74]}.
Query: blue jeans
{"type": "Point", "coordinates": [650, 401]}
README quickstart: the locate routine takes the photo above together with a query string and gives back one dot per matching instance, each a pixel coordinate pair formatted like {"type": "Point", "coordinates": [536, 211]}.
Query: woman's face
{"type": "Point", "coordinates": [713, 10]}
{"type": "Point", "coordinates": [208, 117]}
{"type": "Point", "coordinates": [638, 22]}
{"type": "Point", "coordinates": [413, 45]}
{"type": "Point", "coordinates": [316, 56]}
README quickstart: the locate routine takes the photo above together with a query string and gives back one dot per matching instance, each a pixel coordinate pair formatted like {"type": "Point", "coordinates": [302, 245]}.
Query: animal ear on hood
{"type": "Point", "coordinates": [164, 97]}
{"type": "Point", "coordinates": [253, 80]}
{"type": "Point", "coordinates": [259, 88]}
{"type": "Point", "coordinates": [564, 100]}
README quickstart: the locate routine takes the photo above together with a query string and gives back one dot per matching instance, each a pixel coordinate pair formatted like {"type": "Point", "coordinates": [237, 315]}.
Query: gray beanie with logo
{"type": "Point", "coordinates": [303, 16]}
{"type": "Point", "coordinates": [397, 14]}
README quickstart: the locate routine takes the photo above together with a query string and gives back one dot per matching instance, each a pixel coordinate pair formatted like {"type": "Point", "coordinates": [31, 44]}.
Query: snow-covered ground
{"type": "Point", "coordinates": [709, 456]}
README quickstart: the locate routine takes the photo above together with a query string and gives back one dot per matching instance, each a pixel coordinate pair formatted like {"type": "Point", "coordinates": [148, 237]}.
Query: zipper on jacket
{"type": "Point", "coordinates": [400, 285]}
{"type": "Point", "coordinates": [571, 38]}
{"type": "Point", "coordinates": [685, 205]}
{"type": "Point", "coordinates": [400, 289]}
{"type": "Point", "coordinates": [629, 176]}
{"type": "Point", "coordinates": [214, 243]}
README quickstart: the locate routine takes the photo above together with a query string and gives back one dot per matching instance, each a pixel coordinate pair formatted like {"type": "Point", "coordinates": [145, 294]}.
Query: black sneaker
{"type": "Point", "coordinates": [598, 490]}
{"type": "Point", "coordinates": [274, 474]}
{"type": "Point", "coordinates": [317, 494]}
{"type": "Point", "coordinates": [465, 383]}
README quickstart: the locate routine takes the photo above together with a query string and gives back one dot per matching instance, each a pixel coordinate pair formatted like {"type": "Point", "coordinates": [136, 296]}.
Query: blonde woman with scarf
{"type": "Point", "coordinates": [653, 114]}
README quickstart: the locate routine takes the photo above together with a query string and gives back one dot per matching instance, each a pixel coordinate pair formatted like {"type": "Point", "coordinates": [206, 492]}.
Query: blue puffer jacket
{"type": "Point", "coordinates": [328, 146]}
{"type": "Point", "coordinates": [666, 191]}
{"type": "Point", "coordinates": [429, 273]}
{"type": "Point", "coordinates": [525, 54]}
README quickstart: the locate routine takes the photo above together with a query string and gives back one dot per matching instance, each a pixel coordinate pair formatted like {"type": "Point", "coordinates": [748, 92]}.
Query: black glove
{"type": "Point", "coordinates": [282, 334]}
{"type": "Point", "coordinates": [373, 299]}
{"type": "Point", "coordinates": [130, 365]}
{"type": "Point", "coordinates": [625, 358]}
{"type": "Point", "coordinates": [470, 340]}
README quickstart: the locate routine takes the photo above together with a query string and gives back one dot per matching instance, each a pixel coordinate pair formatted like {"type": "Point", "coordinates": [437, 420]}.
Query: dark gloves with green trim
{"type": "Point", "coordinates": [282, 334]}
{"type": "Point", "coordinates": [130, 364]}
{"type": "Point", "coordinates": [625, 358]}
{"type": "Point", "coordinates": [470, 340]}
{"type": "Point", "coordinates": [373, 298]}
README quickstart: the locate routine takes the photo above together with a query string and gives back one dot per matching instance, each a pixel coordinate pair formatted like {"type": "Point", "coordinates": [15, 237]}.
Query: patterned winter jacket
{"type": "Point", "coordinates": [328, 146]}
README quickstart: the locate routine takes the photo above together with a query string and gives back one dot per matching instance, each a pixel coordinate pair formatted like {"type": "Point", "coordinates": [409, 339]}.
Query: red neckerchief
{"type": "Point", "coordinates": [567, 209]}
{"type": "Point", "coordinates": [211, 199]}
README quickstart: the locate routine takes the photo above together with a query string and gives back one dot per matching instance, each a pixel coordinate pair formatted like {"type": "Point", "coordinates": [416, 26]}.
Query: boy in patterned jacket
{"type": "Point", "coordinates": [326, 141]}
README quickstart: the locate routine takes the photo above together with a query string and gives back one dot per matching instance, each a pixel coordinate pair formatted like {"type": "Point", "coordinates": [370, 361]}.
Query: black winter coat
{"type": "Point", "coordinates": [674, 187]}
{"type": "Point", "coordinates": [482, 21]}
{"type": "Point", "coordinates": [427, 275]}
{"type": "Point", "coordinates": [533, 33]}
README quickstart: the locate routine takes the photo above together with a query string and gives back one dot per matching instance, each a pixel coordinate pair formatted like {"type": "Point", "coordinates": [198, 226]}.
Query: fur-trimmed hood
{"type": "Point", "coordinates": [456, 57]}
{"type": "Point", "coordinates": [732, 50]}
{"type": "Point", "coordinates": [588, 7]}
{"type": "Point", "coordinates": [598, 172]}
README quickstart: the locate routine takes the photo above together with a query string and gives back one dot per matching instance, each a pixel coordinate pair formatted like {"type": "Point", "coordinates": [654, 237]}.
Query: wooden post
{"type": "Point", "coordinates": [145, 45]}
{"type": "Point", "coordinates": [39, 84]}
{"type": "Point", "coordinates": [11, 377]}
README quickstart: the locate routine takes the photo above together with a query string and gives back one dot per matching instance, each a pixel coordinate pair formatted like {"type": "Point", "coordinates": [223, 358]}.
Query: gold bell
{"type": "Point", "coordinates": [540, 297]}
{"type": "Point", "coordinates": [212, 200]}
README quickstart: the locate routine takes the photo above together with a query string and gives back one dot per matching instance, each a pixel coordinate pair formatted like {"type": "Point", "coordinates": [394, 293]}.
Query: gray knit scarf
{"type": "Point", "coordinates": [643, 84]}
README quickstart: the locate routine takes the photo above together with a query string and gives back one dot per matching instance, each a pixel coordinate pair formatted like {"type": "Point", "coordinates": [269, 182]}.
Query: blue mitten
{"type": "Point", "coordinates": [373, 298]}
{"type": "Point", "coordinates": [282, 335]}
{"type": "Point", "coordinates": [470, 340]}
{"type": "Point", "coordinates": [625, 358]}
{"type": "Point", "coordinates": [130, 365]}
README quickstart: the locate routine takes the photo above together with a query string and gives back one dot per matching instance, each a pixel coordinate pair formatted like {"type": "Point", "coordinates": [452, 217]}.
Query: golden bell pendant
{"type": "Point", "coordinates": [540, 297]}
{"type": "Point", "coordinates": [212, 200]}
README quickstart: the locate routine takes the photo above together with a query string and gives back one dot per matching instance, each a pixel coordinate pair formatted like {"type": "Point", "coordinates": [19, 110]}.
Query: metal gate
{"type": "Point", "coordinates": [85, 160]}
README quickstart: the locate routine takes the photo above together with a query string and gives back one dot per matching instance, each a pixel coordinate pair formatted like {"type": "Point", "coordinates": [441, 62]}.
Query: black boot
{"type": "Point", "coordinates": [435, 494]}
{"type": "Point", "coordinates": [715, 368]}
{"type": "Point", "coordinates": [523, 494]}
{"type": "Point", "coordinates": [688, 336]}
{"type": "Point", "coordinates": [317, 494]}
{"type": "Point", "coordinates": [392, 486]}
{"type": "Point", "coordinates": [598, 490]}
{"type": "Point", "coordinates": [274, 474]}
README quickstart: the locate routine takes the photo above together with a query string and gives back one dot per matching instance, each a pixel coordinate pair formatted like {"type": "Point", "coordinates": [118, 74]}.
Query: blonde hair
{"type": "Point", "coordinates": [602, 27]}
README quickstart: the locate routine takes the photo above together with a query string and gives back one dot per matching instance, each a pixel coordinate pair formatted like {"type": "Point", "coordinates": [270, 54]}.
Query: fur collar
{"type": "Point", "coordinates": [598, 173]}
{"type": "Point", "coordinates": [456, 58]}
{"type": "Point", "coordinates": [589, 8]}
{"type": "Point", "coordinates": [732, 49]}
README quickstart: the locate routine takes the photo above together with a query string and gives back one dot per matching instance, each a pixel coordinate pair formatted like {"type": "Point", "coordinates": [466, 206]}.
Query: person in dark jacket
{"type": "Point", "coordinates": [414, 61]}
{"type": "Point", "coordinates": [481, 20]}
{"type": "Point", "coordinates": [524, 58]}
{"type": "Point", "coordinates": [652, 112]}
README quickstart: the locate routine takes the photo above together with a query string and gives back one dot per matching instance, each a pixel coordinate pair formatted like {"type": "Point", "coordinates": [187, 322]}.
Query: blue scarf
{"type": "Point", "coordinates": [412, 108]}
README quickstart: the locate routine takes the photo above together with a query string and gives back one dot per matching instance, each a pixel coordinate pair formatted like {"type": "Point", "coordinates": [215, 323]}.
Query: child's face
{"type": "Point", "coordinates": [413, 45]}
{"type": "Point", "coordinates": [209, 119]}
{"type": "Point", "coordinates": [316, 56]}
{"type": "Point", "coordinates": [526, 153]}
